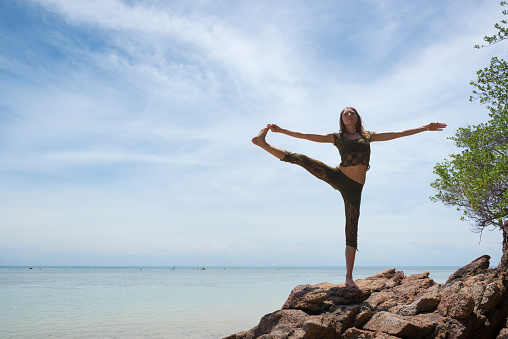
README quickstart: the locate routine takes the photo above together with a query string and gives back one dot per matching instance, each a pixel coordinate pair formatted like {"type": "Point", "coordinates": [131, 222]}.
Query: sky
{"type": "Point", "coordinates": [126, 127]}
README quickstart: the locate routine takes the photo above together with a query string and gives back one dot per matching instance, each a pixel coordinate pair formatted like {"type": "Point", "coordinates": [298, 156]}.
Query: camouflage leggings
{"type": "Point", "coordinates": [351, 190]}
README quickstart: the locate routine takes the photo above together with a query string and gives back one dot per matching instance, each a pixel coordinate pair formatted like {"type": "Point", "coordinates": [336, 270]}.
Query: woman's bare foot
{"type": "Point", "coordinates": [259, 140]}
{"type": "Point", "coordinates": [351, 283]}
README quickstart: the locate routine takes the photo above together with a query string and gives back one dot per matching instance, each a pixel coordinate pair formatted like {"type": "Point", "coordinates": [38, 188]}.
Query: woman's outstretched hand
{"type": "Point", "coordinates": [436, 126]}
{"type": "Point", "coordinates": [274, 128]}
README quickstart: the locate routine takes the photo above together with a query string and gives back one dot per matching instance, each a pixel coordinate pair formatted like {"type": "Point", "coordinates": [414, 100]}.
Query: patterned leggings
{"type": "Point", "coordinates": [351, 190]}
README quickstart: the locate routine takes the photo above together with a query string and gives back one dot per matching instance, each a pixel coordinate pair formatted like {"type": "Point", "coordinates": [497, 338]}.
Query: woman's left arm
{"type": "Point", "coordinates": [383, 136]}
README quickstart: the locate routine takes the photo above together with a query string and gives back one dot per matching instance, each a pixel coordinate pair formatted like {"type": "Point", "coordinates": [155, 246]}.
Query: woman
{"type": "Point", "coordinates": [353, 143]}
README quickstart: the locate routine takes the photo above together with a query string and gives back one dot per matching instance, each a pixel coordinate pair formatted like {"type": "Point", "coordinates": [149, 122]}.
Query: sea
{"type": "Point", "coordinates": [155, 302]}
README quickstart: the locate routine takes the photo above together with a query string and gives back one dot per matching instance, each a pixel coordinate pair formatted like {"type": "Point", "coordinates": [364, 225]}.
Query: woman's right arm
{"type": "Point", "coordinates": [301, 135]}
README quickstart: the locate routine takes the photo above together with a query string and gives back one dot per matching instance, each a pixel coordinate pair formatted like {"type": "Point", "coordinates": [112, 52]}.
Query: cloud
{"type": "Point", "coordinates": [162, 42]}
{"type": "Point", "coordinates": [127, 125]}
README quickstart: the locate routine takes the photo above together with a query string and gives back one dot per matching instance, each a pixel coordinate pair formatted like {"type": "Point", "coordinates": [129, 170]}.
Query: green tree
{"type": "Point", "coordinates": [476, 180]}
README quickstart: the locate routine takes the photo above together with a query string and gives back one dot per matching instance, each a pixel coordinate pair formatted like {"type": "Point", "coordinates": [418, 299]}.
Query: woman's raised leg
{"type": "Point", "coordinates": [259, 140]}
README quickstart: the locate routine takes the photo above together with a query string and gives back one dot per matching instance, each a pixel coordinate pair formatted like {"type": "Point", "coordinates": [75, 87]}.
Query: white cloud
{"type": "Point", "coordinates": [135, 139]}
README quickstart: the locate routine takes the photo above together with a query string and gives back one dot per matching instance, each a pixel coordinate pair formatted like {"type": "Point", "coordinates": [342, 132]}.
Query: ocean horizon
{"type": "Point", "coordinates": [157, 301]}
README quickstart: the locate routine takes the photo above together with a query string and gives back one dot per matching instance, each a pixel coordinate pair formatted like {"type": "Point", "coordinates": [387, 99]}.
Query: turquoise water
{"type": "Point", "coordinates": [154, 302]}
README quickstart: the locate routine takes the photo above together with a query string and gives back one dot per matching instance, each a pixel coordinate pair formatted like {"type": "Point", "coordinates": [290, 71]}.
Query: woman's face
{"type": "Point", "coordinates": [349, 117]}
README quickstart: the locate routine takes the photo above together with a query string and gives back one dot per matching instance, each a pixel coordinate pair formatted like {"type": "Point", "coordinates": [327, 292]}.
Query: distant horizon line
{"type": "Point", "coordinates": [225, 266]}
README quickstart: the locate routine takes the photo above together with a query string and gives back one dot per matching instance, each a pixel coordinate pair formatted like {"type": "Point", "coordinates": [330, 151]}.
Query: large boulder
{"type": "Point", "coordinates": [482, 262]}
{"type": "Point", "coordinates": [388, 305]}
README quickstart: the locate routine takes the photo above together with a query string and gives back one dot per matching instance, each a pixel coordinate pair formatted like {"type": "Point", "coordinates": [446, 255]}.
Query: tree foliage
{"type": "Point", "coordinates": [502, 32]}
{"type": "Point", "coordinates": [476, 180]}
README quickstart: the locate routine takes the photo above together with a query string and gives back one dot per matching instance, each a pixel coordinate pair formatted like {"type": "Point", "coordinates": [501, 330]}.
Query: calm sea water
{"type": "Point", "coordinates": [154, 302]}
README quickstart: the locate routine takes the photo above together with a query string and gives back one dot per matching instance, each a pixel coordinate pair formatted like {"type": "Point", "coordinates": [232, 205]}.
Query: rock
{"type": "Point", "coordinates": [363, 315]}
{"type": "Point", "coordinates": [452, 329]}
{"type": "Point", "coordinates": [487, 290]}
{"type": "Point", "coordinates": [426, 302]}
{"type": "Point", "coordinates": [400, 326]}
{"type": "Point", "coordinates": [457, 305]}
{"type": "Point", "coordinates": [305, 297]}
{"type": "Point", "coordinates": [354, 333]}
{"type": "Point", "coordinates": [401, 294]}
{"type": "Point", "coordinates": [314, 299]}
{"type": "Point", "coordinates": [380, 281]}
{"type": "Point", "coordinates": [321, 327]}
{"type": "Point", "coordinates": [482, 262]}
{"type": "Point", "coordinates": [345, 315]}
{"type": "Point", "coordinates": [279, 323]}
{"type": "Point", "coordinates": [388, 305]}
{"type": "Point", "coordinates": [240, 335]}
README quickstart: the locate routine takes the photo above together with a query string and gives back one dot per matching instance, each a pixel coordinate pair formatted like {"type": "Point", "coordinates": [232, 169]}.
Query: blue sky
{"type": "Point", "coordinates": [125, 129]}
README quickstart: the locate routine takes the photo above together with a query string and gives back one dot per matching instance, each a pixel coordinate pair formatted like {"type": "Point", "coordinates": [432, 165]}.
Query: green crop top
{"type": "Point", "coordinates": [353, 152]}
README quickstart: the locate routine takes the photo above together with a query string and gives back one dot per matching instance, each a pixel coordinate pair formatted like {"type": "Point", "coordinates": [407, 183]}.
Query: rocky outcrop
{"type": "Point", "coordinates": [473, 303]}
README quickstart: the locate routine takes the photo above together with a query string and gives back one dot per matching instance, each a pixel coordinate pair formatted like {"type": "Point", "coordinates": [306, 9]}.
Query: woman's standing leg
{"type": "Point", "coordinates": [352, 193]}
{"type": "Point", "coordinates": [350, 264]}
{"type": "Point", "coordinates": [259, 140]}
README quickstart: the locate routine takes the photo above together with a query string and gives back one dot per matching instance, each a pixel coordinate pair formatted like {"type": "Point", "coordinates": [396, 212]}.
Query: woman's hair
{"type": "Point", "coordinates": [359, 125]}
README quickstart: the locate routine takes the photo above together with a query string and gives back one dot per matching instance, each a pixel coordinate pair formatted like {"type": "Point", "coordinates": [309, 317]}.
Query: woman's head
{"type": "Point", "coordinates": [351, 111]}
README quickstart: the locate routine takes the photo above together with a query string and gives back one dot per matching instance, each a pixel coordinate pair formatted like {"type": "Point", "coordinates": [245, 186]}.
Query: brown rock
{"type": "Point", "coordinates": [459, 305]}
{"type": "Point", "coordinates": [463, 328]}
{"type": "Point", "coordinates": [386, 274]}
{"type": "Point", "coordinates": [480, 263]}
{"type": "Point", "coordinates": [473, 293]}
{"type": "Point", "coordinates": [363, 315]}
{"type": "Point", "coordinates": [426, 302]}
{"type": "Point", "coordinates": [344, 295]}
{"type": "Point", "coordinates": [389, 305]}
{"type": "Point", "coordinates": [305, 297]}
{"type": "Point", "coordinates": [487, 290]}
{"type": "Point", "coordinates": [413, 285]}
{"type": "Point", "coordinates": [491, 296]}
{"type": "Point", "coordinates": [402, 294]}
{"type": "Point", "coordinates": [345, 315]}
{"type": "Point", "coordinates": [279, 323]}
{"type": "Point", "coordinates": [354, 333]}
{"type": "Point", "coordinates": [321, 297]}
{"type": "Point", "coordinates": [452, 329]}
{"type": "Point", "coordinates": [321, 327]}
{"type": "Point", "coordinates": [297, 324]}
{"type": "Point", "coordinates": [377, 282]}
{"type": "Point", "coordinates": [397, 325]}
{"type": "Point", "coordinates": [240, 335]}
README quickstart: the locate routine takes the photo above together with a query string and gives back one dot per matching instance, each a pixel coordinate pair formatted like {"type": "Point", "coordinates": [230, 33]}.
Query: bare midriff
{"type": "Point", "coordinates": [358, 172]}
